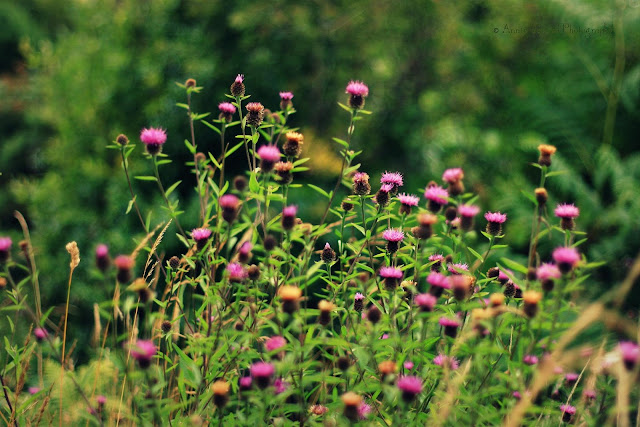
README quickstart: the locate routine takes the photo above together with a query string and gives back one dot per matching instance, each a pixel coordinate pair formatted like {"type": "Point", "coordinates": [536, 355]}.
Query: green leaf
{"type": "Point", "coordinates": [145, 178]}
{"type": "Point", "coordinates": [212, 127]}
{"type": "Point", "coordinates": [514, 265]}
{"type": "Point", "coordinates": [173, 187]}
{"type": "Point", "coordinates": [181, 105]}
{"type": "Point", "coordinates": [344, 107]}
{"type": "Point", "coordinates": [233, 149]}
{"type": "Point", "coordinates": [555, 173]}
{"type": "Point", "coordinates": [475, 254]}
{"type": "Point", "coordinates": [163, 162]}
{"type": "Point", "coordinates": [130, 205]}
{"type": "Point", "coordinates": [190, 147]}
{"type": "Point", "coordinates": [530, 197]}
{"type": "Point", "coordinates": [253, 183]}
{"type": "Point", "coordinates": [342, 142]}
{"type": "Point", "coordinates": [319, 190]}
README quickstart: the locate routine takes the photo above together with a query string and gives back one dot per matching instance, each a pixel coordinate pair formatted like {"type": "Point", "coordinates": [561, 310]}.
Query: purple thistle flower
{"type": "Point", "coordinates": [630, 353]}
{"type": "Point", "coordinates": [286, 96]}
{"type": "Point", "coordinates": [566, 210]}
{"type": "Point", "coordinates": [237, 272]}
{"type": "Point", "coordinates": [358, 302]}
{"type": "Point", "coordinates": [102, 250]}
{"type": "Point", "coordinates": [548, 271]}
{"type": "Point", "coordinates": [589, 394]}
{"type": "Point", "coordinates": [571, 377]}
{"type": "Point", "coordinates": [391, 276]}
{"type": "Point", "coordinates": [33, 390]}
{"type": "Point", "coordinates": [356, 88]}
{"type": "Point", "coordinates": [457, 268]}
{"type": "Point", "coordinates": [468, 211]}
{"type": "Point", "coordinates": [426, 302]}
{"type": "Point", "coordinates": [361, 186]}
{"type": "Point", "coordinates": [436, 197]}
{"type": "Point", "coordinates": [289, 216]}
{"type": "Point", "coordinates": [245, 383]}
{"type": "Point", "coordinates": [5, 244]}
{"type": "Point", "coordinates": [153, 136]}
{"type": "Point", "coordinates": [143, 351]}
{"type": "Point", "coordinates": [40, 333]}
{"type": "Point", "coordinates": [274, 343]}
{"type": "Point", "coordinates": [566, 258]}
{"type": "Point", "coordinates": [229, 204]}
{"type": "Point", "coordinates": [201, 236]}
{"type": "Point", "coordinates": [393, 235]}
{"type": "Point", "coordinates": [450, 326]}
{"type": "Point", "coordinates": [364, 409]}
{"type": "Point", "coordinates": [446, 361]}
{"type": "Point", "coordinates": [410, 386]}
{"type": "Point", "coordinates": [280, 386]}
{"type": "Point", "coordinates": [568, 412]}
{"type": "Point", "coordinates": [102, 257]}
{"type": "Point", "coordinates": [269, 155]}
{"type": "Point", "coordinates": [393, 178]}
{"type": "Point", "coordinates": [262, 373]}
{"type": "Point", "coordinates": [439, 282]}
{"type": "Point", "coordinates": [239, 78]}
{"type": "Point", "coordinates": [227, 108]}
{"type": "Point", "coordinates": [436, 259]}
{"type": "Point", "coordinates": [408, 365]}
{"type": "Point", "coordinates": [530, 359]}
{"type": "Point", "coordinates": [101, 400]}
{"type": "Point", "coordinates": [237, 87]}
{"type": "Point", "coordinates": [495, 221]}
{"type": "Point", "coordinates": [452, 175]}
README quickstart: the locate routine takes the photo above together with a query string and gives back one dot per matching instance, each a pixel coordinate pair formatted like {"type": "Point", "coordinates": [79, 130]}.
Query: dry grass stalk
{"type": "Point", "coordinates": [440, 417]}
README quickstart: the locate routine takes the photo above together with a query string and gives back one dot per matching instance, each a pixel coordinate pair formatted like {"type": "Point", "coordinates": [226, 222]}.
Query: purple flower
{"type": "Point", "coordinates": [289, 216]}
{"type": "Point", "coordinates": [450, 326]}
{"type": "Point", "coordinates": [356, 88]}
{"type": "Point", "coordinates": [589, 394]}
{"type": "Point", "coordinates": [517, 395]}
{"type": "Point", "coordinates": [262, 373]}
{"type": "Point", "coordinates": [568, 412]}
{"type": "Point", "coordinates": [239, 78]}
{"type": "Point", "coordinates": [5, 244]}
{"type": "Point", "coordinates": [229, 201]}
{"type": "Point", "coordinates": [408, 200]}
{"type": "Point", "coordinates": [452, 175]}
{"type": "Point", "coordinates": [571, 377]}
{"type": "Point", "coordinates": [393, 235]}
{"type": "Point", "coordinates": [227, 108]}
{"type": "Point", "coordinates": [153, 136]}
{"type": "Point", "coordinates": [530, 359]}
{"type": "Point", "coordinates": [566, 257]}
{"type": "Point", "coordinates": [426, 302]}
{"type": "Point", "coordinates": [384, 336]}
{"type": "Point", "coordinates": [548, 271]}
{"type": "Point", "coordinates": [364, 409]}
{"type": "Point", "coordinates": [40, 333]}
{"type": "Point", "coordinates": [457, 268]}
{"type": "Point", "coordinates": [275, 343]}
{"type": "Point", "coordinates": [630, 353]}
{"type": "Point", "coordinates": [437, 195]}
{"type": "Point", "coordinates": [102, 250]}
{"type": "Point", "coordinates": [280, 386]}
{"type": "Point", "coordinates": [101, 400]}
{"type": "Point", "coordinates": [358, 296]}
{"type": "Point", "coordinates": [245, 383]}
{"type": "Point", "coordinates": [201, 236]}
{"type": "Point", "coordinates": [408, 365]}
{"type": "Point", "coordinates": [33, 390]}
{"type": "Point", "coordinates": [393, 178]}
{"type": "Point", "coordinates": [269, 153]}
{"type": "Point", "coordinates": [286, 96]}
{"type": "Point", "coordinates": [468, 211]}
{"type": "Point", "coordinates": [410, 386]}
{"type": "Point", "coordinates": [446, 361]}
{"type": "Point", "coordinates": [143, 351]}
{"type": "Point", "coordinates": [495, 217]}
{"type": "Point", "coordinates": [567, 211]}
{"type": "Point", "coordinates": [390, 272]}
{"type": "Point", "coordinates": [237, 272]}
{"type": "Point", "coordinates": [439, 282]}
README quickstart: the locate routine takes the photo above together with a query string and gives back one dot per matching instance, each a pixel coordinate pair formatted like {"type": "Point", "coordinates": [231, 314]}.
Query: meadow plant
{"type": "Point", "coordinates": [384, 309]}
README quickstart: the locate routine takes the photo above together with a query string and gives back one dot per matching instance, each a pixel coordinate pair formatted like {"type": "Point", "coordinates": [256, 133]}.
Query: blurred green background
{"type": "Point", "coordinates": [476, 84]}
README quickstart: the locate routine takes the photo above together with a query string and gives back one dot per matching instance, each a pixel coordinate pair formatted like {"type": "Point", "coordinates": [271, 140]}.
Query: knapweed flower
{"type": "Point", "coordinates": [436, 198]}
{"type": "Point", "coordinates": [275, 343]}
{"type": "Point", "coordinates": [122, 139]}
{"type": "Point", "coordinates": [255, 114]}
{"type": "Point", "coordinates": [325, 308]}
{"type": "Point", "coordinates": [393, 236]}
{"type": "Point", "coordinates": [408, 365]}
{"type": "Point", "coordinates": [571, 377]}
{"type": "Point", "coordinates": [496, 299]}
{"type": "Point", "coordinates": [227, 110]}
{"type": "Point", "coordinates": [318, 409]}
{"type": "Point", "coordinates": [424, 230]}
{"type": "Point", "coordinates": [426, 302]}
{"type": "Point", "coordinates": [407, 202]}
{"type": "Point", "coordinates": [245, 383]}
{"type": "Point", "coordinates": [237, 87]}
{"type": "Point", "coordinates": [351, 402]}
{"type": "Point", "coordinates": [237, 272]}
{"type": "Point", "coordinates": [153, 139]}
{"type": "Point", "coordinates": [457, 268]}
{"type": "Point", "coordinates": [387, 367]}
{"type": "Point", "coordinates": [547, 273]}
{"type": "Point", "coordinates": [568, 412]}
{"type": "Point", "coordinates": [283, 172]}
{"type": "Point", "coordinates": [630, 353]}
{"type": "Point", "coordinates": [461, 285]}
{"type": "Point", "coordinates": [34, 390]}
{"type": "Point", "coordinates": [589, 394]}
{"type": "Point", "coordinates": [546, 151]}
{"type": "Point", "coordinates": [269, 155]}
{"type": "Point", "coordinates": [220, 391]}
{"type": "Point", "coordinates": [124, 264]}
{"type": "Point", "coordinates": [361, 186]}
{"type": "Point", "coordinates": [410, 386]}
{"type": "Point", "coordinates": [290, 296]}
{"type": "Point", "coordinates": [143, 351]}
{"type": "Point", "coordinates": [467, 212]}
{"type": "Point", "coordinates": [436, 259]}
{"type": "Point", "coordinates": [530, 359]}
{"type": "Point", "coordinates": [101, 400]}
{"type": "Point", "coordinates": [40, 334]}
{"type": "Point", "coordinates": [229, 204]}
{"type": "Point", "coordinates": [358, 302]}
{"type": "Point", "coordinates": [450, 326]}
{"type": "Point", "coordinates": [292, 147]}
{"type": "Point", "coordinates": [364, 409]}
{"type": "Point", "coordinates": [494, 222]}
{"type": "Point", "coordinates": [374, 314]}
{"type": "Point", "coordinates": [289, 217]}
{"type": "Point", "coordinates": [285, 100]}
{"type": "Point", "coordinates": [531, 300]}
{"type": "Point", "coordinates": [391, 276]}
{"type": "Point", "coordinates": [5, 248]}
{"type": "Point", "coordinates": [102, 257]}
{"type": "Point", "coordinates": [357, 92]}
{"type": "Point", "coordinates": [328, 255]}
{"type": "Point", "coordinates": [566, 258]}
{"type": "Point", "coordinates": [439, 282]}
{"type": "Point", "coordinates": [262, 373]}
{"type": "Point", "coordinates": [201, 236]}
{"type": "Point", "coordinates": [446, 362]}
{"type": "Point", "coordinates": [382, 196]}
{"type": "Point", "coordinates": [454, 177]}
{"type": "Point", "coordinates": [567, 213]}
{"type": "Point", "coordinates": [392, 178]}
{"type": "Point", "coordinates": [280, 386]}
{"type": "Point", "coordinates": [244, 253]}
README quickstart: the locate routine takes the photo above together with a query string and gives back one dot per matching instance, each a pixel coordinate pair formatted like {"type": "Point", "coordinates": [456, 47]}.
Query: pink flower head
{"type": "Point", "coordinates": [568, 409]}
{"type": "Point", "coordinates": [227, 108]}
{"type": "Point", "coordinates": [468, 211]}
{"type": "Point", "coordinates": [244, 383]}
{"type": "Point", "coordinates": [571, 377]}
{"type": "Point", "coordinates": [450, 362]}
{"type": "Point", "coordinates": [566, 258]}
{"type": "Point", "coordinates": [384, 336]}
{"type": "Point", "coordinates": [5, 244]}
{"type": "Point", "coordinates": [426, 302]}
{"type": "Point", "coordinates": [364, 409]}
{"type": "Point", "coordinates": [102, 251]}
{"type": "Point", "coordinates": [360, 177]}
{"type": "Point", "coordinates": [101, 400]}
{"type": "Point", "coordinates": [387, 188]}
{"type": "Point", "coordinates": [566, 210]}
{"type": "Point", "coordinates": [269, 153]}
{"type": "Point", "coordinates": [290, 211]}
{"type": "Point", "coordinates": [275, 343]}
{"type": "Point", "coordinates": [245, 249]}
{"type": "Point", "coordinates": [357, 88]}
{"type": "Point", "coordinates": [239, 78]}
{"type": "Point", "coordinates": [436, 257]}
{"type": "Point", "coordinates": [503, 275]}
{"type": "Point", "coordinates": [286, 96]}
{"type": "Point", "coordinates": [200, 234]}
{"type": "Point", "coordinates": [436, 194]}
{"type": "Point", "coordinates": [153, 136]}
{"type": "Point", "coordinates": [237, 272]}
{"type": "Point", "coordinates": [517, 395]}
{"type": "Point", "coordinates": [408, 365]}
{"type": "Point", "coordinates": [358, 296]}
{"type": "Point", "coordinates": [33, 390]}
{"type": "Point", "coordinates": [40, 333]}
{"type": "Point", "coordinates": [393, 235]}
{"type": "Point", "coordinates": [280, 386]}
{"type": "Point", "coordinates": [548, 271]}
{"type": "Point", "coordinates": [390, 273]}
{"type": "Point", "coordinates": [438, 280]}
{"type": "Point", "coordinates": [630, 353]}
{"type": "Point", "coordinates": [123, 262]}
{"type": "Point", "coordinates": [447, 322]}
{"type": "Point", "coordinates": [229, 201]}
{"type": "Point", "coordinates": [452, 175]}
{"type": "Point", "coordinates": [410, 384]}
{"type": "Point", "coordinates": [457, 268]}
{"type": "Point", "coordinates": [143, 351]}
{"type": "Point", "coordinates": [589, 394]}
{"type": "Point", "coordinates": [262, 373]}
{"type": "Point", "coordinates": [408, 200]}
{"type": "Point", "coordinates": [318, 409]}
{"type": "Point", "coordinates": [393, 178]}
{"type": "Point", "coordinates": [530, 359]}
{"type": "Point", "coordinates": [495, 217]}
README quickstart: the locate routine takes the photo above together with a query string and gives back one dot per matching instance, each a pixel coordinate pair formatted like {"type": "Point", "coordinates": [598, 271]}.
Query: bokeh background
{"type": "Point", "coordinates": [473, 84]}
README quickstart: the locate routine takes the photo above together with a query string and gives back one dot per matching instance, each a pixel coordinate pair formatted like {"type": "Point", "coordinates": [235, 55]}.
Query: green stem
{"type": "Point", "coordinates": [164, 196]}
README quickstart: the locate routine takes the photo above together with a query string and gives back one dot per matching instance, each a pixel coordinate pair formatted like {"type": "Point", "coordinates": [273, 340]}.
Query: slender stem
{"type": "Point", "coordinates": [195, 160]}
{"type": "Point", "coordinates": [133, 196]}
{"type": "Point", "coordinates": [6, 396]}
{"type": "Point", "coordinates": [164, 196]}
